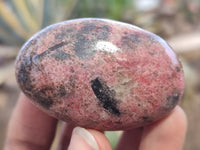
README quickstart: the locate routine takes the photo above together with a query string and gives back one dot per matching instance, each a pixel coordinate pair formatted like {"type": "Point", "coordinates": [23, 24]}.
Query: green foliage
{"type": "Point", "coordinates": [113, 9]}
{"type": "Point", "coordinates": [20, 19]}
{"type": "Point", "coordinates": [113, 137]}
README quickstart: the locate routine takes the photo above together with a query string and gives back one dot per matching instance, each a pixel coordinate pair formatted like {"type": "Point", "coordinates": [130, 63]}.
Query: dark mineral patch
{"type": "Point", "coordinates": [178, 69]}
{"type": "Point", "coordinates": [46, 95]}
{"type": "Point", "coordinates": [62, 91]}
{"type": "Point", "coordinates": [23, 75]}
{"type": "Point", "coordinates": [88, 28]}
{"type": "Point", "coordinates": [87, 37]}
{"type": "Point", "coordinates": [105, 95]}
{"type": "Point", "coordinates": [61, 55]}
{"type": "Point", "coordinates": [172, 100]}
{"type": "Point", "coordinates": [83, 47]}
{"type": "Point", "coordinates": [43, 99]}
{"type": "Point", "coordinates": [98, 30]}
{"type": "Point", "coordinates": [104, 33]}
{"type": "Point", "coordinates": [47, 52]}
{"type": "Point", "coordinates": [61, 35]}
{"type": "Point", "coordinates": [130, 40]}
{"type": "Point", "coordinates": [57, 46]}
{"type": "Point", "coordinates": [145, 117]}
{"type": "Point", "coordinates": [64, 33]}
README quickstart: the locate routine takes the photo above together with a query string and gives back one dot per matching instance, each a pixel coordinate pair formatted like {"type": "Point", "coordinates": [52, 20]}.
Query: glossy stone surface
{"type": "Point", "coordinates": [100, 74]}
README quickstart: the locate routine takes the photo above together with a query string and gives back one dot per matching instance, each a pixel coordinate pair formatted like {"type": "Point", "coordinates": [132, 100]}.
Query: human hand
{"type": "Point", "coordinates": [32, 129]}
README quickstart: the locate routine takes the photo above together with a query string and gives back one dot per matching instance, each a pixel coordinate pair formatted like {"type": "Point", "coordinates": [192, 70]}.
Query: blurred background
{"type": "Point", "coordinates": [177, 21]}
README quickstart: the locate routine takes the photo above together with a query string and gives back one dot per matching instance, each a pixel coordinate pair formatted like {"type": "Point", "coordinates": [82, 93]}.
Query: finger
{"type": "Point", "coordinates": [29, 128]}
{"type": "Point", "coordinates": [169, 133]}
{"type": "Point", "coordinates": [88, 140]}
{"type": "Point", "coordinates": [130, 139]}
{"type": "Point", "coordinates": [65, 135]}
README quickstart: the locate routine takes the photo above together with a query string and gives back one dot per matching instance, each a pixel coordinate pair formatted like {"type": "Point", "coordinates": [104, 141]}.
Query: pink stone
{"type": "Point", "coordinates": [100, 74]}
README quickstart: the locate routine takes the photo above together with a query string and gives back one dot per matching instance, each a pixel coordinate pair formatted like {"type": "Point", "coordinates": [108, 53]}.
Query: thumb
{"type": "Point", "coordinates": [88, 139]}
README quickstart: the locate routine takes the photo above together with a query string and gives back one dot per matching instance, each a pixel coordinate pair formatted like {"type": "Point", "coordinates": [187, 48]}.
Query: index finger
{"type": "Point", "coordinates": [29, 127]}
{"type": "Point", "coordinates": [168, 133]}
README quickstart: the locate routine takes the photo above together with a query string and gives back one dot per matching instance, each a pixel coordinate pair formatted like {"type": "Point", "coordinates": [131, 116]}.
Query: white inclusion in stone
{"type": "Point", "coordinates": [106, 46]}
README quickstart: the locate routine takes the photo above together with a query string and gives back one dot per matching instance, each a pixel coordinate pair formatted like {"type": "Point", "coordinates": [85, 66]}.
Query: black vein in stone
{"type": "Point", "coordinates": [105, 95]}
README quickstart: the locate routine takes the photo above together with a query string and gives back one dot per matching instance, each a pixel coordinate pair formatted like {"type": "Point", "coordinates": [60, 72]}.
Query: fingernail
{"type": "Point", "coordinates": [79, 135]}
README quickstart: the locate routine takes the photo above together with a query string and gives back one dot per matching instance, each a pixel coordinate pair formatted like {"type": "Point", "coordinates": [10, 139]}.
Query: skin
{"type": "Point", "coordinates": [32, 129]}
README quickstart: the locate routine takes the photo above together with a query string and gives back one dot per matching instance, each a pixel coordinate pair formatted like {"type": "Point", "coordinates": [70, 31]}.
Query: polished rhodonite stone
{"type": "Point", "coordinates": [100, 74]}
